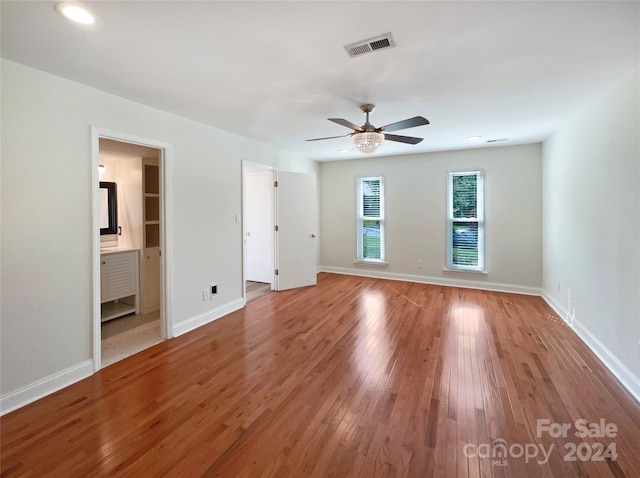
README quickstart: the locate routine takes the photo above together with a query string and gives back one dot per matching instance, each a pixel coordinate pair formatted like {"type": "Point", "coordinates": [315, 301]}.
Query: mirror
{"type": "Point", "coordinates": [107, 208]}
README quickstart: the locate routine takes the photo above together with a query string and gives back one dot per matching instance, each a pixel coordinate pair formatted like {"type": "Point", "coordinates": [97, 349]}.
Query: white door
{"type": "Point", "coordinates": [297, 221]}
{"type": "Point", "coordinates": [259, 226]}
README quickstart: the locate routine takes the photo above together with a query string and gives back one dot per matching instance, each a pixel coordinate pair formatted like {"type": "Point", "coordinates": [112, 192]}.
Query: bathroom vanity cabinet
{"type": "Point", "coordinates": [119, 283]}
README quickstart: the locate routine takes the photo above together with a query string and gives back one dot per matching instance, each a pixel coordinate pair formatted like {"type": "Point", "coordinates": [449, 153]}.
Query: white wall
{"type": "Point", "coordinates": [46, 266]}
{"type": "Point", "coordinates": [416, 212]}
{"type": "Point", "coordinates": [591, 178]}
{"type": "Point", "coordinates": [126, 172]}
{"type": "Point", "coordinates": [129, 186]}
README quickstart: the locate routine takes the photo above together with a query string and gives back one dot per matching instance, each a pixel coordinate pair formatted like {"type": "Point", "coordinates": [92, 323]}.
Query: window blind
{"type": "Point", "coordinates": [370, 219]}
{"type": "Point", "coordinates": [466, 221]}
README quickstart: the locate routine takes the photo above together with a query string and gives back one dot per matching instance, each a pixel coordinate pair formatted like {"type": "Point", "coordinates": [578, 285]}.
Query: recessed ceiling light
{"type": "Point", "coordinates": [343, 151]}
{"type": "Point", "coordinates": [76, 13]}
{"type": "Point", "coordinates": [474, 138]}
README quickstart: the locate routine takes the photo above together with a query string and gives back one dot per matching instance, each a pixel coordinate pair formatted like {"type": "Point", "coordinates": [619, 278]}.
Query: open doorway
{"type": "Point", "coordinates": [129, 315]}
{"type": "Point", "coordinates": [279, 229]}
{"type": "Point", "coordinates": [259, 221]}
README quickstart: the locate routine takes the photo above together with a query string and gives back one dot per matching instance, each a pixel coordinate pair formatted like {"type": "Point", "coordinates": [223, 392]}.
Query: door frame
{"type": "Point", "coordinates": [165, 160]}
{"type": "Point", "coordinates": [244, 165]}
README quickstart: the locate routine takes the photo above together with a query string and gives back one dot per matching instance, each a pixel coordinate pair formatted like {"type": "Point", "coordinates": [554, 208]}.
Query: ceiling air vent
{"type": "Point", "coordinates": [497, 140]}
{"type": "Point", "coordinates": [381, 42]}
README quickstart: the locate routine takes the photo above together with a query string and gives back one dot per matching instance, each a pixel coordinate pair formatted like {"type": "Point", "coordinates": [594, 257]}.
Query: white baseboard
{"type": "Point", "coordinates": [628, 379]}
{"type": "Point", "coordinates": [199, 320]}
{"type": "Point", "coordinates": [46, 386]}
{"type": "Point", "coordinates": [559, 309]}
{"type": "Point", "coordinates": [443, 281]}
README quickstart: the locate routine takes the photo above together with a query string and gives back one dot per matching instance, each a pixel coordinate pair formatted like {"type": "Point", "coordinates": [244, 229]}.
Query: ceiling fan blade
{"type": "Point", "coordinates": [402, 139]}
{"type": "Point", "coordinates": [346, 123]}
{"type": "Point", "coordinates": [329, 137]}
{"type": "Point", "coordinates": [404, 124]}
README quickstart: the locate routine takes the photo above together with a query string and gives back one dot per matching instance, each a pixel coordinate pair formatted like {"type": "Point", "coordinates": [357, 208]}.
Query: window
{"type": "Point", "coordinates": [465, 225]}
{"type": "Point", "coordinates": [370, 216]}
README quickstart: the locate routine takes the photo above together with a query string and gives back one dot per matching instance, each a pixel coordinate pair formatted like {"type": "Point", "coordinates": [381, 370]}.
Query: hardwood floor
{"type": "Point", "coordinates": [354, 377]}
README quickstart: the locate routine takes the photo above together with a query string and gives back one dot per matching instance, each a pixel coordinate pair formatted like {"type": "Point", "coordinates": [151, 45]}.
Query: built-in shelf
{"type": "Point", "coordinates": [152, 234]}
{"type": "Point", "coordinates": [152, 208]}
{"type": "Point", "coordinates": [151, 179]}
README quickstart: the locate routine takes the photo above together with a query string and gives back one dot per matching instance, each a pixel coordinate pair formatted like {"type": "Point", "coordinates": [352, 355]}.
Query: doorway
{"type": "Point", "coordinates": [129, 277]}
{"type": "Point", "coordinates": [280, 212]}
{"type": "Point", "coordinates": [259, 221]}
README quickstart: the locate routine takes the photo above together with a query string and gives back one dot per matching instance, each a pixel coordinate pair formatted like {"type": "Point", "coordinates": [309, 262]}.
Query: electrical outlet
{"type": "Point", "coordinates": [420, 264]}
{"type": "Point", "coordinates": [205, 294]}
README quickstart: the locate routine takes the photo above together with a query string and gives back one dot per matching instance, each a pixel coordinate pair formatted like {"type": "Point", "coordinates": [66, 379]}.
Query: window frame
{"type": "Point", "coordinates": [360, 218]}
{"type": "Point", "coordinates": [479, 219]}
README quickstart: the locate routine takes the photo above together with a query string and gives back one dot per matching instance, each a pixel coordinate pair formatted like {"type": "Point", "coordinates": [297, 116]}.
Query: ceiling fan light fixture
{"type": "Point", "coordinates": [77, 13]}
{"type": "Point", "coordinates": [367, 142]}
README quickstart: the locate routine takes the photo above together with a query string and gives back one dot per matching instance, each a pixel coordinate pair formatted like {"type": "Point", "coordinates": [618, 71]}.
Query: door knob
{"type": "Point", "coordinates": [313, 235]}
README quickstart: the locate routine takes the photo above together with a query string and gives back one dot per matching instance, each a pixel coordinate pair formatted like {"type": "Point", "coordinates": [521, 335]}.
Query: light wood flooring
{"type": "Point", "coordinates": [255, 290]}
{"type": "Point", "coordinates": [354, 377]}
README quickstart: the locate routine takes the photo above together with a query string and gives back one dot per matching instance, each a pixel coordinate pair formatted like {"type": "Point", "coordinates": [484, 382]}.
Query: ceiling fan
{"type": "Point", "coordinates": [367, 138]}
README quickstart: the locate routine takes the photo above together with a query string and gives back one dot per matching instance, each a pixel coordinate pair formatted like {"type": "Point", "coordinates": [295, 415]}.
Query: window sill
{"type": "Point", "coordinates": [465, 271]}
{"type": "Point", "coordinates": [371, 263]}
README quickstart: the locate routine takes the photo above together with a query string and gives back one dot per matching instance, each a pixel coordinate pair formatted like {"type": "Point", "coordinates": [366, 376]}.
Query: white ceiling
{"type": "Point", "coordinates": [274, 71]}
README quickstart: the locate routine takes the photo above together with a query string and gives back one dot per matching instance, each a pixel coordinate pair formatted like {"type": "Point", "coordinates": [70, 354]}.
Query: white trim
{"type": "Point", "coordinates": [556, 306]}
{"type": "Point", "coordinates": [480, 220]}
{"type": "Point", "coordinates": [467, 284]}
{"type": "Point", "coordinates": [95, 250]}
{"type": "Point", "coordinates": [262, 167]}
{"type": "Point", "coordinates": [371, 262]}
{"type": "Point", "coordinates": [360, 218]}
{"type": "Point", "coordinates": [630, 381]}
{"type": "Point", "coordinates": [46, 386]}
{"type": "Point", "coordinates": [166, 214]}
{"type": "Point", "coordinates": [202, 319]}
{"type": "Point", "coordinates": [464, 271]}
